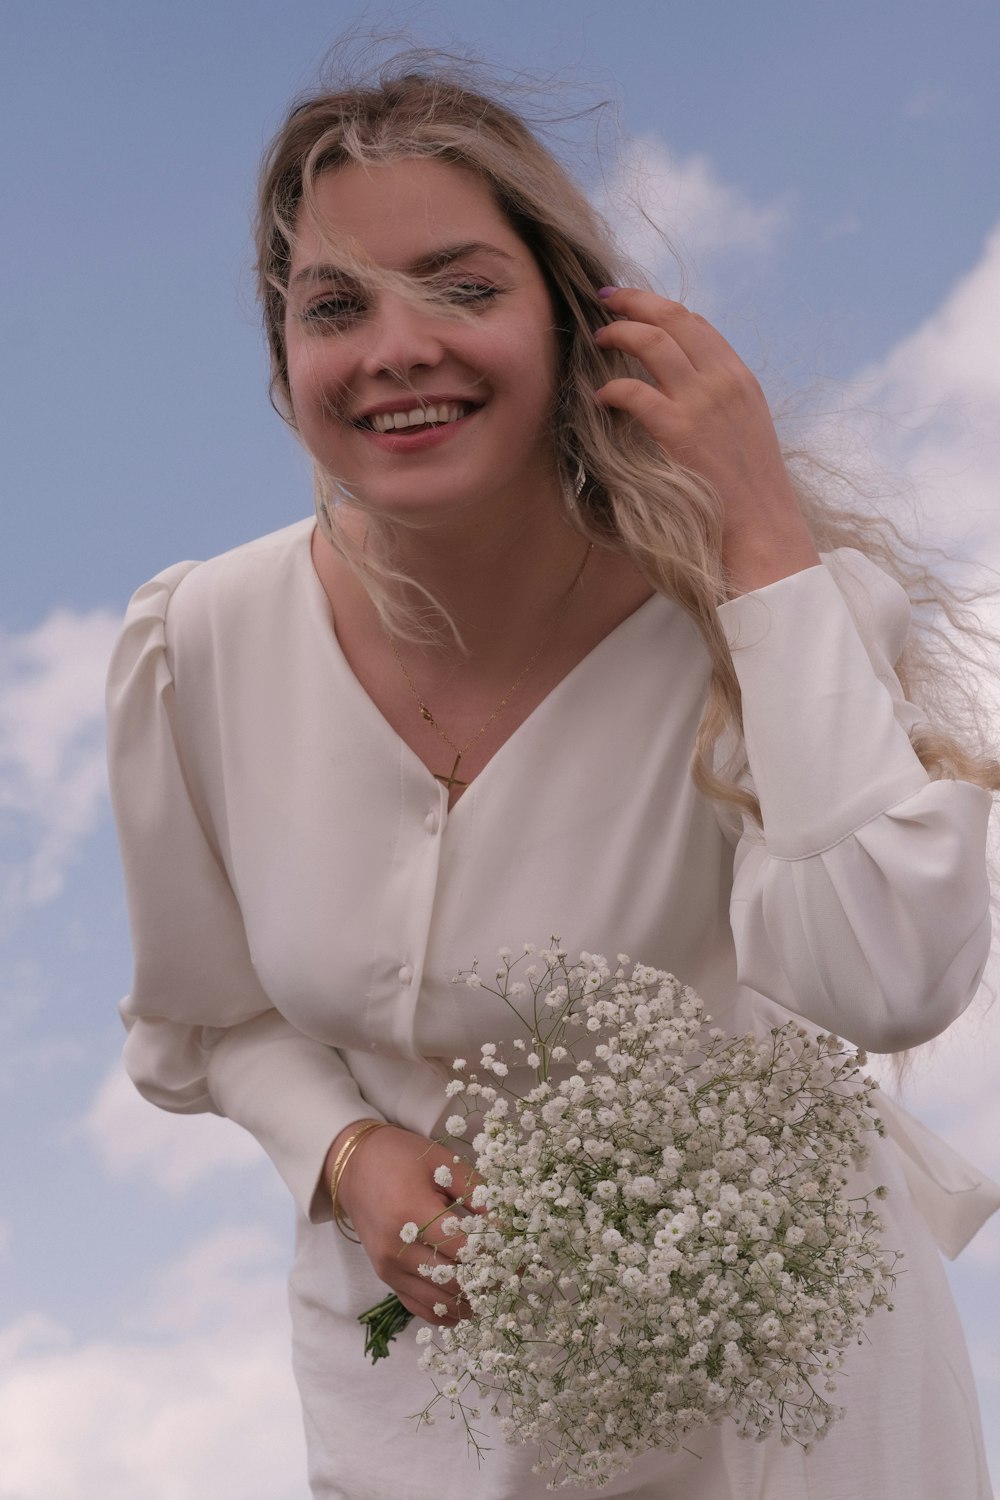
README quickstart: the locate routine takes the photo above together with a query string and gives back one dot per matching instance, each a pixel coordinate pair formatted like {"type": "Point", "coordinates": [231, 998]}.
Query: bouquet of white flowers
{"type": "Point", "coordinates": [666, 1238]}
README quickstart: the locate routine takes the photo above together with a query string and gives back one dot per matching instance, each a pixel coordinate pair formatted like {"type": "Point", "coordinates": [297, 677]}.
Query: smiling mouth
{"type": "Point", "coordinates": [418, 418]}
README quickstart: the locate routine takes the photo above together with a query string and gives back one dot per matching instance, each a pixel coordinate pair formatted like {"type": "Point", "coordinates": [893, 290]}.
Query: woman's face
{"type": "Point", "coordinates": [477, 393]}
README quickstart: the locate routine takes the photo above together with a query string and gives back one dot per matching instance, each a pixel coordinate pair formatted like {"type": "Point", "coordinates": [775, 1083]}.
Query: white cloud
{"type": "Point", "coordinates": [224, 1278]}
{"type": "Point", "coordinates": [52, 774]}
{"type": "Point", "coordinates": [32, 1332]}
{"type": "Point", "coordinates": [28, 1059]}
{"type": "Point", "coordinates": [169, 1151]}
{"type": "Point", "coordinates": [657, 201]}
{"type": "Point", "coordinates": [203, 1405]}
{"type": "Point", "coordinates": [936, 395]}
{"type": "Point", "coordinates": [939, 391]}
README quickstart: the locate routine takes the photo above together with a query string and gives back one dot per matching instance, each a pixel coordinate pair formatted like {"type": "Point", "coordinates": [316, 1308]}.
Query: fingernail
{"type": "Point", "coordinates": [607, 291]}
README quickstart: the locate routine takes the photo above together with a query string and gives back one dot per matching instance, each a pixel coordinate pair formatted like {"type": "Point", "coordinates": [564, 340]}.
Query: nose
{"type": "Point", "coordinates": [400, 336]}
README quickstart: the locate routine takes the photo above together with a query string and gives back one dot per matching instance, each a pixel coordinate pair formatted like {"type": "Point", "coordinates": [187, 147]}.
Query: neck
{"type": "Point", "coordinates": [498, 584]}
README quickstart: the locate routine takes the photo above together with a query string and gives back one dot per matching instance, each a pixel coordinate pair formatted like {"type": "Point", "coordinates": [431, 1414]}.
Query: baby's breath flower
{"type": "Point", "coordinates": [408, 1233]}
{"type": "Point", "coordinates": [442, 1176]}
{"type": "Point", "coordinates": [664, 1236]}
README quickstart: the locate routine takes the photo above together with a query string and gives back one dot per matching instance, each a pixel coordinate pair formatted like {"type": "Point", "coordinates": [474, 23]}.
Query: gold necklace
{"type": "Point", "coordinates": [450, 778]}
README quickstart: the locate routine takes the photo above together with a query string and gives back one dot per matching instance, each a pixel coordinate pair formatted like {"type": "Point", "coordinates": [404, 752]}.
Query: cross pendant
{"type": "Point", "coordinates": [451, 780]}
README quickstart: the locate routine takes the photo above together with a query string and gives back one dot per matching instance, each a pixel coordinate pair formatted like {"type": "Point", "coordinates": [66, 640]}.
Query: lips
{"type": "Point", "coordinates": [417, 417]}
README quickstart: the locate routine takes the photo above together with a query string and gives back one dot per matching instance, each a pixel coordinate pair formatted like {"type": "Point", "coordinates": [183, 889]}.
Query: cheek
{"type": "Point", "coordinates": [542, 376]}
{"type": "Point", "coordinates": [315, 380]}
{"type": "Point", "coordinates": [529, 356]}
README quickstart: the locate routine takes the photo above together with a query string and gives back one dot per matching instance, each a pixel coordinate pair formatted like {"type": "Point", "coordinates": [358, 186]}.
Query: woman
{"type": "Point", "coordinates": [559, 562]}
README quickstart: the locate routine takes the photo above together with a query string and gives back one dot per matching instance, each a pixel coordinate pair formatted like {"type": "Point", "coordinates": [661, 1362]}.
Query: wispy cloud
{"type": "Point", "coordinates": [52, 776]}
{"type": "Point", "coordinates": [938, 392]}
{"type": "Point", "coordinates": [658, 202]}
{"type": "Point", "coordinates": [199, 1404]}
{"type": "Point", "coordinates": [170, 1152]}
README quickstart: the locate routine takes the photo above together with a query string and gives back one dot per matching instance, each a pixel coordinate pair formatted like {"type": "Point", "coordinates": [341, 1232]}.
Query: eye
{"type": "Point", "coordinates": [468, 291]}
{"type": "Point", "coordinates": [332, 308]}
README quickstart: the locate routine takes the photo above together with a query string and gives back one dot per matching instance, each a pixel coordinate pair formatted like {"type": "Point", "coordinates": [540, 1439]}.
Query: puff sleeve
{"type": "Point", "coordinates": [202, 1034]}
{"type": "Point", "coordinates": [864, 904]}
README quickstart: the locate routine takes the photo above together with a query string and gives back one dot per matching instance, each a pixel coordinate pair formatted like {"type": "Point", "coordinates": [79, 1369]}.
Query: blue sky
{"type": "Point", "coordinates": [830, 175]}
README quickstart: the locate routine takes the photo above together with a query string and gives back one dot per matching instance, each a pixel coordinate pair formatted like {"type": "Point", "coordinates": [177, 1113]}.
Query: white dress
{"type": "Point", "coordinates": [300, 895]}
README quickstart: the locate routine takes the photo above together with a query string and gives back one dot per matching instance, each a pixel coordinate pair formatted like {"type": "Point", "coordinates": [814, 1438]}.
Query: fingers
{"type": "Point", "coordinates": [664, 337]}
{"type": "Point", "coordinates": [650, 326]}
{"type": "Point", "coordinates": [426, 1283]}
{"type": "Point", "coordinates": [701, 398]}
{"type": "Point", "coordinates": [442, 1239]}
{"type": "Point", "coordinates": [648, 405]}
{"type": "Point", "coordinates": [424, 1276]}
{"type": "Point", "coordinates": [395, 1179]}
{"type": "Point", "coordinates": [434, 1257]}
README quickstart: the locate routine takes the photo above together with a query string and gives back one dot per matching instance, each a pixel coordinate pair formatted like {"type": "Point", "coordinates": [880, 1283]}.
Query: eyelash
{"type": "Point", "coordinates": [331, 309]}
{"type": "Point", "coordinates": [471, 291]}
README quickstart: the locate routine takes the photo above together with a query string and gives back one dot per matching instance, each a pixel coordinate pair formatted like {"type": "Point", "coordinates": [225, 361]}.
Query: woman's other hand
{"type": "Point", "coordinates": [708, 412]}
{"type": "Point", "coordinates": [388, 1182]}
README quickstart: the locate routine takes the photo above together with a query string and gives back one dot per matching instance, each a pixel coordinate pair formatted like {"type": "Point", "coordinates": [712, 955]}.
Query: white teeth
{"type": "Point", "coordinates": [420, 416]}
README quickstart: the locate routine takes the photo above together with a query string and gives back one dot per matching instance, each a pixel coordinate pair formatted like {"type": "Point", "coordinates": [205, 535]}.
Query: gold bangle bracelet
{"type": "Point", "coordinates": [337, 1171]}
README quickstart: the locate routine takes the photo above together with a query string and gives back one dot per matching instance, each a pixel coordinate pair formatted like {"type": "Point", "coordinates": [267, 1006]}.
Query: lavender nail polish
{"type": "Point", "coordinates": [607, 291]}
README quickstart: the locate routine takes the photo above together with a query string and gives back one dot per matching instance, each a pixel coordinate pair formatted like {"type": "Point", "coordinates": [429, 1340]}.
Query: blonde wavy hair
{"type": "Point", "coordinates": [635, 498]}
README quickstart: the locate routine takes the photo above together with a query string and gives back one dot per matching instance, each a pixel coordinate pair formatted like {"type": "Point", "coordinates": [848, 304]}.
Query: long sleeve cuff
{"type": "Point", "coordinates": [294, 1094]}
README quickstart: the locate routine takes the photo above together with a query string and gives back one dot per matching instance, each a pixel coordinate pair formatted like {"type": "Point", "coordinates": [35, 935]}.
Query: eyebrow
{"type": "Point", "coordinates": [436, 260]}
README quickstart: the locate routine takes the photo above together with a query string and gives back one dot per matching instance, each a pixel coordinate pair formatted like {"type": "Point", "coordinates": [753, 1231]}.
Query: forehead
{"type": "Point", "coordinates": [400, 211]}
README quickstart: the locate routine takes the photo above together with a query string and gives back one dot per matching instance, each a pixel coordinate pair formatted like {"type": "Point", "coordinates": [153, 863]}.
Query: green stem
{"type": "Point", "coordinates": [381, 1324]}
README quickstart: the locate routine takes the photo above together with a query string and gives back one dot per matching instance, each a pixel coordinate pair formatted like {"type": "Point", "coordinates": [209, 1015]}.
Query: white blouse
{"type": "Point", "coordinates": [300, 896]}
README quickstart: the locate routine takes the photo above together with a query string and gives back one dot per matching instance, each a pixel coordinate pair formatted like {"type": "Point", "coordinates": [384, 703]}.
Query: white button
{"type": "Point", "coordinates": [432, 822]}
{"type": "Point", "coordinates": [405, 975]}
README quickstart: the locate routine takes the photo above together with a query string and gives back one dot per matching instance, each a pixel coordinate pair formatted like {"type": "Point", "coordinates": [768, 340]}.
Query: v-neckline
{"type": "Point", "coordinates": [324, 613]}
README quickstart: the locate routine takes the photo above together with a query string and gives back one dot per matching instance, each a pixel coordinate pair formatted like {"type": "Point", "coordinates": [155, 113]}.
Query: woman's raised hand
{"type": "Point", "coordinates": [388, 1182]}
{"type": "Point", "coordinates": [708, 412]}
